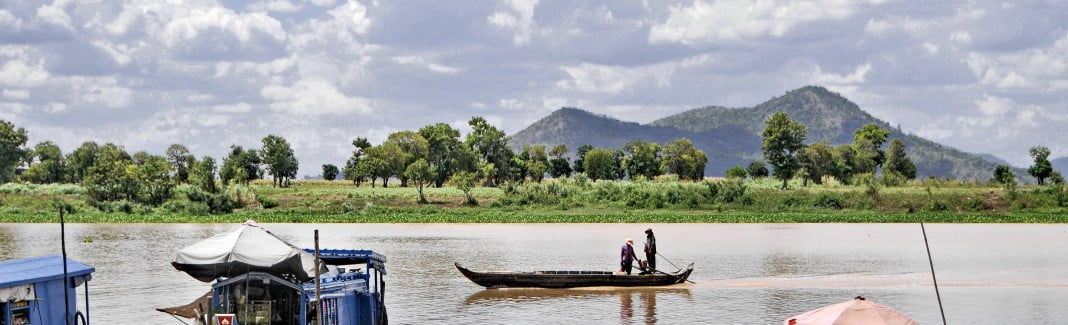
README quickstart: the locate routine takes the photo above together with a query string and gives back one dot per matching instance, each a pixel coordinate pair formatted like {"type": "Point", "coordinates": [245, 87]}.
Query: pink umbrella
{"type": "Point", "coordinates": [856, 311]}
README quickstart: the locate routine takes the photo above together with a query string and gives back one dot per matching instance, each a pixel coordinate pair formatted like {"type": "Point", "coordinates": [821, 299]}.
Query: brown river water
{"type": "Point", "coordinates": [744, 273]}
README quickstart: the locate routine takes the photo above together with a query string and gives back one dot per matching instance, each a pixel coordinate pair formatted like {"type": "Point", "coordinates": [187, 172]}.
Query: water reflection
{"type": "Point", "coordinates": [646, 298]}
{"type": "Point", "coordinates": [8, 247]}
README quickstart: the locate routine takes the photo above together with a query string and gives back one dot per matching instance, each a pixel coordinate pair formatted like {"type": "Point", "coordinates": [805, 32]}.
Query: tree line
{"type": "Point", "coordinates": [436, 154]}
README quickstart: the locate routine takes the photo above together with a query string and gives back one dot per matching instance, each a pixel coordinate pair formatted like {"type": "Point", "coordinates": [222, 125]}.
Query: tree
{"type": "Point", "coordinates": [202, 175]}
{"type": "Point", "coordinates": [443, 146]}
{"type": "Point", "coordinates": [580, 165]}
{"type": "Point", "coordinates": [352, 170]}
{"type": "Point", "coordinates": [112, 176]}
{"type": "Point", "coordinates": [421, 173]}
{"type": "Point", "coordinates": [278, 156]}
{"type": "Point", "coordinates": [535, 161]}
{"type": "Point", "coordinates": [1003, 175]}
{"type": "Point", "coordinates": [558, 165]}
{"type": "Point", "coordinates": [490, 145]}
{"type": "Point", "coordinates": [181, 160]}
{"type": "Point", "coordinates": [466, 181]}
{"type": "Point", "coordinates": [816, 160]}
{"type": "Point", "coordinates": [1042, 168]}
{"type": "Point", "coordinates": [898, 162]}
{"type": "Point", "coordinates": [330, 172]}
{"type": "Point", "coordinates": [844, 163]}
{"type": "Point", "coordinates": [387, 160]}
{"type": "Point", "coordinates": [757, 169]}
{"type": "Point", "coordinates": [867, 145]}
{"type": "Point", "coordinates": [783, 138]}
{"type": "Point", "coordinates": [79, 161]}
{"type": "Point", "coordinates": [49, 167]}
{"type": "Point", "coordinates": [153, 175]}
{"type": "Point", "coordinates": [642, 158]}
{"type": "Point", "coordinates": [240, 165]}
{"type": "Point", "coordinates": [413, 145]}
{"type": "Point", "coordinates": [735, 172]}
{"type": "Point", "coordinates": [1056, 178]}
{"type": "Point", "coordinates": [599, 164]}
{"type": "Point", "coordinates": [683, 159]}
{"type": "Point", "coordinates": [12, 140]}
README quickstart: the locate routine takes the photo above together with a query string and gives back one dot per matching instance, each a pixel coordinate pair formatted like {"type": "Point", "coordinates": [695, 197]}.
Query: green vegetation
{"type": "Point", "coordinates": [576, 199]}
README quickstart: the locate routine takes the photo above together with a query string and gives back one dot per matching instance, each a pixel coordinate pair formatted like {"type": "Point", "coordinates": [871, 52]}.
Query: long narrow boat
{"type": "Point", "coordinates": [572, 279]}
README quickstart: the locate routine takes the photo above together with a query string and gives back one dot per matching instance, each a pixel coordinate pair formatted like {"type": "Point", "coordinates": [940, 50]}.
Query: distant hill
{"type": "Point", "coordinates": [731, 136]}
{"type": "Point", "coordinates": [1060, 164]}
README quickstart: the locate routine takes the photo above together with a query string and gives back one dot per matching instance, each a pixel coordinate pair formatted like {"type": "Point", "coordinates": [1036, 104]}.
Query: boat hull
{"type": "Point", "coordinates": [571, 279]}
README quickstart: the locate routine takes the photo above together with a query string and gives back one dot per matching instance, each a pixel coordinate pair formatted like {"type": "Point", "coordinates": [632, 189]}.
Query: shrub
{"type": "Point", "coordinates": [186, 207]}
{"type": "Point", "coordinates": [893, 179]}
{"type": "Point", "coordinates": [266, 202]}
{"type": "Point", "coordinates": [217, 203]}
{"type": "Point", "coordinates": [826, 200]}
{"type": "Point", "coordinates": [121, 206]}
{"type": "Point", "coordinates": [736, 172]}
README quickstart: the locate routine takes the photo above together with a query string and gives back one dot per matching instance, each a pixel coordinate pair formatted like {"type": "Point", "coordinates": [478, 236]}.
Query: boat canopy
{"type": "Point", "coordinates": [248, 248]}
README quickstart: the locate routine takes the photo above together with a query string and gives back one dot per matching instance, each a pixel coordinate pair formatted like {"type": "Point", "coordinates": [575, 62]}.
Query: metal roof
{"type": "Point", "coordinates": [39, 269]}
{"type": "Point", "coordinates": [352, 256]}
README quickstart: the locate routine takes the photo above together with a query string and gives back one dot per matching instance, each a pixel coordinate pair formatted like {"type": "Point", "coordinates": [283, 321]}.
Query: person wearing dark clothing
{"type": "Point", "coordinates": [650, 250]}
{"type": "Point", "coordinates": [627, 257]}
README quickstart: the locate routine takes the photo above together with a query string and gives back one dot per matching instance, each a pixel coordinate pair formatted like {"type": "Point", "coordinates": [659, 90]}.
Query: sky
{"type": "Point", "coordinates": [982, 76]}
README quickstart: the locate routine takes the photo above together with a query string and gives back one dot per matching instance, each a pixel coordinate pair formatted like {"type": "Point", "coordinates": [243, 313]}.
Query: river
{"type": "Point", "coordinates": [744, 273]}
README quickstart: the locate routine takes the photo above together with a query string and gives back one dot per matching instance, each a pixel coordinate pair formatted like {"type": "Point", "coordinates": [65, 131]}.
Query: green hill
{"type": "Point", "coordinates": [731, 136]}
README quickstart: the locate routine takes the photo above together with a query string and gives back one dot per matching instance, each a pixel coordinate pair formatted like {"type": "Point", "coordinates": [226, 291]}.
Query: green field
{"type": "Point", "coordinates": [580, 201]}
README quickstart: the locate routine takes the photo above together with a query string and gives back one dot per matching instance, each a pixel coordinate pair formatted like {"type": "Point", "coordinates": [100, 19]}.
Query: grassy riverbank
{"type": "Point", "coordinates": [754, 201]}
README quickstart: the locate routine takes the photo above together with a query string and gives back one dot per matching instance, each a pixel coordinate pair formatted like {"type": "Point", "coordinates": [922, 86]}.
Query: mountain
{"type": "Point", "coordinates": [731, 136]}
{"type": "Point", "coordinates": [1060, 165]}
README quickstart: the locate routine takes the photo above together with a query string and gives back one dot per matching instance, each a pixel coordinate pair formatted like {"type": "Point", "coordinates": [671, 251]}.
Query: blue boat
{"type": "Point", "coordinates": [260, 279]}
{"type": "Point", "coordinates": [32, 292]}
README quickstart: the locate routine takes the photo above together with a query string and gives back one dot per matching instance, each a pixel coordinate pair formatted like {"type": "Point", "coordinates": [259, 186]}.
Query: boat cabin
{"type": "Point", "coordinates": [31, 291]}
{"type": "Point", "coordinates": [352, 293]}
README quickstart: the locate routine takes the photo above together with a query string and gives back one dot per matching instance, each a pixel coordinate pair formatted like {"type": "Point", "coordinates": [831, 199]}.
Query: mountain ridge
{"type": "Point", "coordinates": [731, 136]}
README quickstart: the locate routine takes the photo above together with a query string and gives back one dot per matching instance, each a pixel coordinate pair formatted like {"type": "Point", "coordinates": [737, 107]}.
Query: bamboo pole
{"type": "Point", "coordinates": [933, 278]}
{"type": "Point", "coordinates": [318, 290]}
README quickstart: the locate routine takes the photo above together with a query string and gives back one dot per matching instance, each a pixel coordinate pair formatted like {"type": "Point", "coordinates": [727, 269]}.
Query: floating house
{"type": "Point", "coordinates": [31, 291]}
{"type": "Point", "coordinates": [258, 278]}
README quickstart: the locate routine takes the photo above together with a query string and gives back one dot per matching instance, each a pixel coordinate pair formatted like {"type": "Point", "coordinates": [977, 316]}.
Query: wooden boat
{"type": "Point", "coordinates": [572, 279]}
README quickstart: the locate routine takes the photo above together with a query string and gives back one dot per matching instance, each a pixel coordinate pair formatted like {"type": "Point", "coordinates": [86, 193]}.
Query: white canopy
{"type": "Point", "coordinates": [245, 249]}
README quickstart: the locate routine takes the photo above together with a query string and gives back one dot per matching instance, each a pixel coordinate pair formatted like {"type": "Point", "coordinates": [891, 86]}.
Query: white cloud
{"type": "Point", "coordinates": [597, 78]}
{"type": "Point", "coordinates": [274, 5]}
{"type": "Point", "coordinates": [857, 76]}
{"type": "Point", "coordinates": [17, 73]}
{"type": "Point", "coordinates": [126, 19]}
{"type": "Point", "coordinates": [313, 97]}
{"type": "Point", "coordinates": [703, 22]}
{"type": "Point", "coordinates": [55, 13]}
{"type": "Point", "coordinates": [109, 95]}
{"type": "Point", "coordinates": [16, 94]}
{"type": "Point", "coordinates": [323, 3]}
{"type": "Point", "coordinates": [233, 108]}
{"type": "Point", "coordinates": [519, 18]}
{"type": "Point", "coordinates": [1044, 68]}
{"type": "Point", "coordinates": [419, 61]}
{"type": "Point", "coordinates": [9, 21]}
{"type": "Point", "coordinates": [241, 26]}
{"type": "Point", "coordinates": [993, 106]}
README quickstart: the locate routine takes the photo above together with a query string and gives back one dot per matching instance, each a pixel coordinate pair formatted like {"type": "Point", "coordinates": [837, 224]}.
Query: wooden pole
{"type": "Point", "coordinates": [933, 278]}
{"type": "Point", "coordinates": [318, 292]}
{"type": "Point", "coordinates": [66, 281]}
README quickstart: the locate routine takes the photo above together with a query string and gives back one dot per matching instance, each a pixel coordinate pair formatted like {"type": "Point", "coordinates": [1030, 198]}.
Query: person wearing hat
{"type": "Point", "coordinates": [627, 257]}
{"type": "Point", "coordinates": [650, 250]}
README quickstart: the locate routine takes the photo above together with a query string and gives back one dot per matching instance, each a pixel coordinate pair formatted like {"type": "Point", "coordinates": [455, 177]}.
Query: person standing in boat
{"type": "Point", "coordinates": [627, 256]}
{"type": "Point", "coordinates": [650, 250]}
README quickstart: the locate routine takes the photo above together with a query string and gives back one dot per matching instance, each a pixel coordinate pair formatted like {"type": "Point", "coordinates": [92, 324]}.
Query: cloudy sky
{"type": "Point", "coordinates": [989, 77]}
